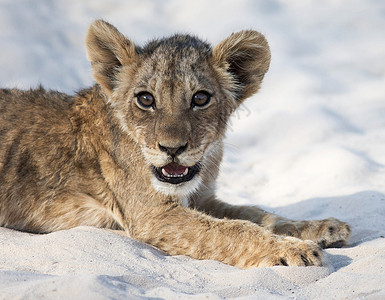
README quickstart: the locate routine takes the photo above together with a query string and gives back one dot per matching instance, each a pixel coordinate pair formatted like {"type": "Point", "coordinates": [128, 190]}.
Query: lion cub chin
{"type": "Point", "coordinates": [140, 151]}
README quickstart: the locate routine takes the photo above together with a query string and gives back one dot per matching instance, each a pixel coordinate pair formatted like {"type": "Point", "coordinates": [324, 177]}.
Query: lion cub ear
{"type": "Point", "coordinates": [246, 56]}
{"type": "Point", "coordinates": [107, 50]}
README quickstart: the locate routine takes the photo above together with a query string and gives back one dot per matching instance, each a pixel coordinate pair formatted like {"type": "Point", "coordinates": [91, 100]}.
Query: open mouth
{"type": "Point", "coordinates": [174, 173]}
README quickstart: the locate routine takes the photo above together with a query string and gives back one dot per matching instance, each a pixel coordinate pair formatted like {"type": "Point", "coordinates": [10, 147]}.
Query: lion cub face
{"type": "Point", "coordinates": [175, 95]}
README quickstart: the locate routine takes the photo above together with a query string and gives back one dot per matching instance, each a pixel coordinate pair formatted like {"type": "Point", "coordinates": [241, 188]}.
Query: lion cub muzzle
{"type": "Point", "coordinates": [174, 172]}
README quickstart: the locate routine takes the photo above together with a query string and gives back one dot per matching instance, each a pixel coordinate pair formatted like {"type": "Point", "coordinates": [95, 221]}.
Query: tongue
{"type": "Point", "coordinates": [175, 169]}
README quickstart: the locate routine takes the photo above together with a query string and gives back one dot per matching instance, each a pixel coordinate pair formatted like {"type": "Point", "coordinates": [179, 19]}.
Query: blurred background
{"type": "Point", "coordinates": [316, 129]}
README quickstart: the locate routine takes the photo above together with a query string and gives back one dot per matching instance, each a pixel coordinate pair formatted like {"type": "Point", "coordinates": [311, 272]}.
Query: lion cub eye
{"type": "Point", "coordinates": [145, 100]}
{"type": "Point", "coordinates": [200, 99]}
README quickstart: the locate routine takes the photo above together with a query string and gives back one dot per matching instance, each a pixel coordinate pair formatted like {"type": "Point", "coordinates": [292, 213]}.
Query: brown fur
{"type": "Point", "coordinates": [89, 159]}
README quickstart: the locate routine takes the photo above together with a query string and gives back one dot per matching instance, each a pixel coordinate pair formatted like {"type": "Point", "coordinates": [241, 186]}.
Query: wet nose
{"type": "Point", "coordinates": [173, 151]}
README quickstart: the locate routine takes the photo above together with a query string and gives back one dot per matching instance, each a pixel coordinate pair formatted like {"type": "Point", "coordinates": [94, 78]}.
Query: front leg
{"type": "Point", "coordinates": [182, 231]}
{"type": "Point", "coordinates": [327, 233]}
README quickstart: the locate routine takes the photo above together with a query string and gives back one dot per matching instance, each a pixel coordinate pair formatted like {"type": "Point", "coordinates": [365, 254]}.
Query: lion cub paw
{"type": "Point", "coordinates": [294, 252]}
{"type": "Point", "coordinates": [328, 233]}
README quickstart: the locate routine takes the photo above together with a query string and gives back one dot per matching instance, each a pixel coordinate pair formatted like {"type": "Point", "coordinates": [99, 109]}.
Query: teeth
{"type": "Point", "coordinates": [165, 173]}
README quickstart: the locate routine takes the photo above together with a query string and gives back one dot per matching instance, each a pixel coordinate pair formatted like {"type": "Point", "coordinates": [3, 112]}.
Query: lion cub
{"type": "Point", "coordinates": [140, 151]}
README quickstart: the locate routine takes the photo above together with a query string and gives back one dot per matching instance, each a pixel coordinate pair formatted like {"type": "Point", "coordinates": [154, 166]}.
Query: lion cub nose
{"type": "Point", "coordinates": [173, 151]}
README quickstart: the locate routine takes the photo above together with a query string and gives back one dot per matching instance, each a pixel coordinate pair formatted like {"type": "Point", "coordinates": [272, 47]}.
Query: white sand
{"type": "Point", "coordinates": [310, 145]}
